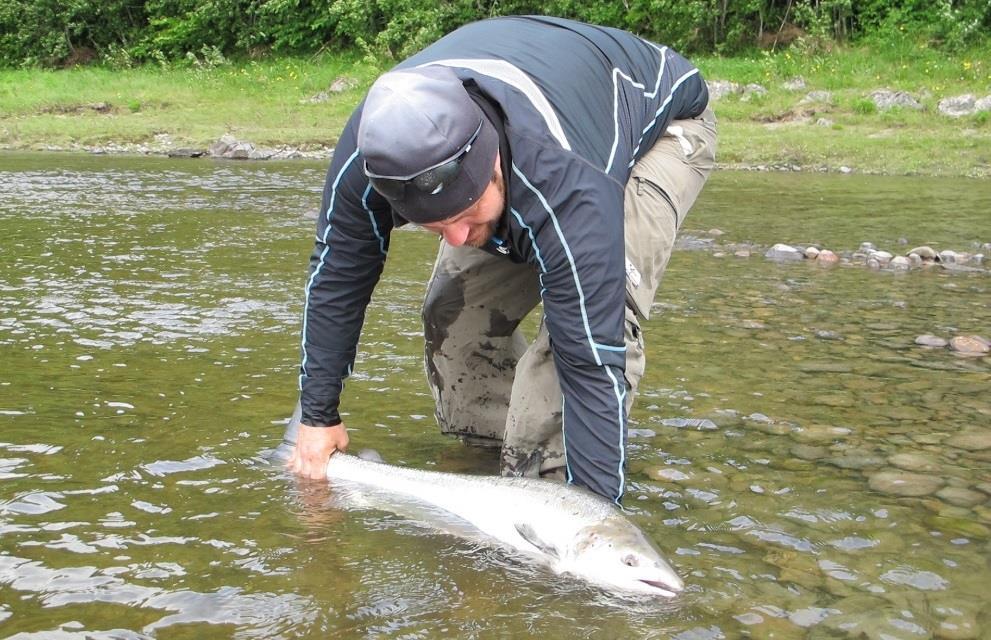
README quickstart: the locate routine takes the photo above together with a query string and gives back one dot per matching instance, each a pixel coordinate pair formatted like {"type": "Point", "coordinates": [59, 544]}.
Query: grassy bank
{"type": "Point", "coordinates": [267, 103]}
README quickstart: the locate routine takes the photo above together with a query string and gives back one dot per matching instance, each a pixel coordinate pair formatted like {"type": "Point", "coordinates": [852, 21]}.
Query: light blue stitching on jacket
{"type": "Point", "coordinates": [371, 217]}
{"type": "Point", "coordinates": [620, 395]}
{"type": "Point", "coordinates": [323, 260]}
{"type": "Point", "coordinates": [571, 260]}
{"type": "Point", "coordinates": [661, 108]}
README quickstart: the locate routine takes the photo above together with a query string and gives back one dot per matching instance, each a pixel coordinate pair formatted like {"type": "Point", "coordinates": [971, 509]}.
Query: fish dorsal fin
{"type": "Point", "coordinates": [527, 533]}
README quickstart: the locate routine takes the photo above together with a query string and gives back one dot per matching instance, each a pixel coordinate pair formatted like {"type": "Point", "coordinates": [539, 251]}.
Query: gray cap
{"type": "Point", "coordinates": [415, 120]}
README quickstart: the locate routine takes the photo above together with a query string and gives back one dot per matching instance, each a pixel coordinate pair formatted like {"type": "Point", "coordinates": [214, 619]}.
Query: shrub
{"type": "Point", "coordinates": [48, 32]}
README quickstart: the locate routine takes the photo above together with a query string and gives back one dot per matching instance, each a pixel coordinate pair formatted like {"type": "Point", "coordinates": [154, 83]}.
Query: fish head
{"type": "Point", "coordinates": [616, 555]}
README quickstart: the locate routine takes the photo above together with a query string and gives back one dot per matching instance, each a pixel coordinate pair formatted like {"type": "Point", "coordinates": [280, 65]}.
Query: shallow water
{"type": "Point", "coordinates": [149, 336]}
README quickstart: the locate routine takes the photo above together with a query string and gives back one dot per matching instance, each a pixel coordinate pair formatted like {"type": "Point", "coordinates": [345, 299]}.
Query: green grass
{"type": "Point", "coordinates": [266, 103]}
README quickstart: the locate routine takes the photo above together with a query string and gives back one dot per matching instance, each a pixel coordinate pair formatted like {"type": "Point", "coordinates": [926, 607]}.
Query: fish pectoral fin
{"type": "Point", "coordinates": [370, 455]}
{"type": "Point", "coordinates": [527, 533]}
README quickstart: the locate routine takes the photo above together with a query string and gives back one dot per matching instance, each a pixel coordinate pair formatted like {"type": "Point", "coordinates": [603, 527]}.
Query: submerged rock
{"type": "Point", "coordinates": [931, 341]}
{"type": "Point", "coordinates": [809, 452]}
{"type": "Point", "coordinates": [902, 483]}
{"type": "Point", "coordinates": [961, 497]}
{"type": "Point", "coordinates": [971, 441]}
{"type": "Point", "coordinates": [700, 424]}
{"type": "Point", "coordinates": [970, 345]}
{"type": "Point", "coordinates": [915, 462]}
{"type": "Point", "coordinates": [668, 474]}
{"type": "Point", "coordinates": [856, 460]}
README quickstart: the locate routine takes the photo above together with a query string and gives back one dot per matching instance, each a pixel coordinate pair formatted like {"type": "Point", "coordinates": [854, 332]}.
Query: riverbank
{"type": "Point", "coordinates": [863, 110]}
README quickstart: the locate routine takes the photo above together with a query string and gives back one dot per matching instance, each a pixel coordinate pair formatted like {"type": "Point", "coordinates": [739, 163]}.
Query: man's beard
{"type": "Point", "coordinates": [483, 238]}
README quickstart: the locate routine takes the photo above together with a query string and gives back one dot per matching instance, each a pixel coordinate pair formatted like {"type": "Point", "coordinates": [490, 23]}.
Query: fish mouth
{"type": "Point", "coordinates": [665, 589]}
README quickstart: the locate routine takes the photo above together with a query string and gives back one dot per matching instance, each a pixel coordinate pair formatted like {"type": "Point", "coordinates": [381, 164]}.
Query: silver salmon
{"type": "Point", "coordinates": [567, 528]}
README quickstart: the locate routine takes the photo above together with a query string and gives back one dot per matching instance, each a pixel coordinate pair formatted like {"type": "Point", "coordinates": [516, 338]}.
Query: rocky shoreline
{"type": "Point", "coordinates": [230, 148]}
{"type": "Point", "coordinates": [226, 147]}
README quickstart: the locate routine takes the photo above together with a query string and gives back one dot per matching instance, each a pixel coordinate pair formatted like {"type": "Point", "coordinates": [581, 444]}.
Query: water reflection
{"type": "Point", "coordinates": [810, 469]}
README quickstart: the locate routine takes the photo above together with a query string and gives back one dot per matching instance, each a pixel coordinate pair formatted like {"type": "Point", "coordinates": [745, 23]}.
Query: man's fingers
{"type": "Point", "coordinates": [318, 467]}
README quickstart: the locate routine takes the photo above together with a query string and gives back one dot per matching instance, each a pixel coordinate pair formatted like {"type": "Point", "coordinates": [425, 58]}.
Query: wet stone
{"type": "Point", "coordinates": [915, 462]}
{"type": "Point", "coordinates": [772, 428]}
{"type": "Point", "coordinates": [971, 441]}
{"type": "Point", "coordinates": [820, 433]}
{"type": "Point", "coordinates": [900, 263]}
{"type": "Point", "coordinates": [884, 257]}
{"type": "Point", "coordinates": [901, 483]}
{"type": "Point", "coordinates": [827, 257]}
{"type": "Point", "coordinates": [856, 460]}
{"type": "Point", "coordinates": [640, 433]}
{"type": "Point", "coordinates": [698, 424]}
{"type": "Point", "coordinates": [964, 526]}
{"type": "Point", "coordinates": [971, 345]}
{"type": "Point", "coordinates": [667, 474]}
{"type": "Point", "coordinates": [949, 257]}
{"type": "Point", "coordinates": [882, 623]}
{"type": "Point", "coordinates": [835, 400]}
{"type": "Point", "coordinates": [958, 627]}
{"type": "Point", "coordinates": [931, 341]}
{"type": "Point", "coordinates": [961, 497]}
{"type": "Point", "coordinates": [809, 452]}
{"type": "Point", "coordinates": [784, 252]}
{"type": "Point", "coordinates": [924, 252]}
{"type": "Point", "coordinates": [928, 438]}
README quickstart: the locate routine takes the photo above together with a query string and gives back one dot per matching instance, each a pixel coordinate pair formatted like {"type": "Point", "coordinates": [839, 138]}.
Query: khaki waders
{"type": "Point", "coordinates": [493, 388]}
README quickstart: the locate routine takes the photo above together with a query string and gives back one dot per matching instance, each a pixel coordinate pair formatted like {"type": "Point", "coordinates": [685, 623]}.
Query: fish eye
{"type": "Point", "coordinates": [630, 561]}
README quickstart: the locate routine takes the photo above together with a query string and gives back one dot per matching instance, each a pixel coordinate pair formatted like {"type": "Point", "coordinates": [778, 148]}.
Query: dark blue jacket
{"type": "Point", "coordinates": [580, 105]}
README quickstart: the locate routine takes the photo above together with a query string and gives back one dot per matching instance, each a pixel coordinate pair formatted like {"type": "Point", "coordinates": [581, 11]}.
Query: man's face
{"type": "Point", "coordinates": [474, 226]}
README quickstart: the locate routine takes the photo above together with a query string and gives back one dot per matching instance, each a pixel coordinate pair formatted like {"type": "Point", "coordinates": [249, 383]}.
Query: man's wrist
{"type": "Point", "coordinates": [323, 426]}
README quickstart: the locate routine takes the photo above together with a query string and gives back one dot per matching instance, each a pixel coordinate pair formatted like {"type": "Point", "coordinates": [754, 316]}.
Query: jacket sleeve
{"type": "Point", "coordinates": [574, 221]}
{"type": "Point", "coordinates": [688, 90]}
{"type": "Point", "coordinates": [352, 238]}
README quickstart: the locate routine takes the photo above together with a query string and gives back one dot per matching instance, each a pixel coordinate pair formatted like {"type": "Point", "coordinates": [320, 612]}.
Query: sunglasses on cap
{"type": "Point", "coordinates": [431, 180]}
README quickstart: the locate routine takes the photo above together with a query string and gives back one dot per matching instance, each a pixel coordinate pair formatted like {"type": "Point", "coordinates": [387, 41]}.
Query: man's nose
{"type": "Point", "coordinates": [456, 234]}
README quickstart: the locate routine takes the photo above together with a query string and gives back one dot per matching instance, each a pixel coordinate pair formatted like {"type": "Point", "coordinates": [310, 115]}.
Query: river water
{"type": "Point", "coordinates": [149, 315]}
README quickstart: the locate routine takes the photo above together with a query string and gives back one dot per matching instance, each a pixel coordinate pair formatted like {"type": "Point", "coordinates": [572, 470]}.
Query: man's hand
{"type": "Point", "coordinates": [314, 446]}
